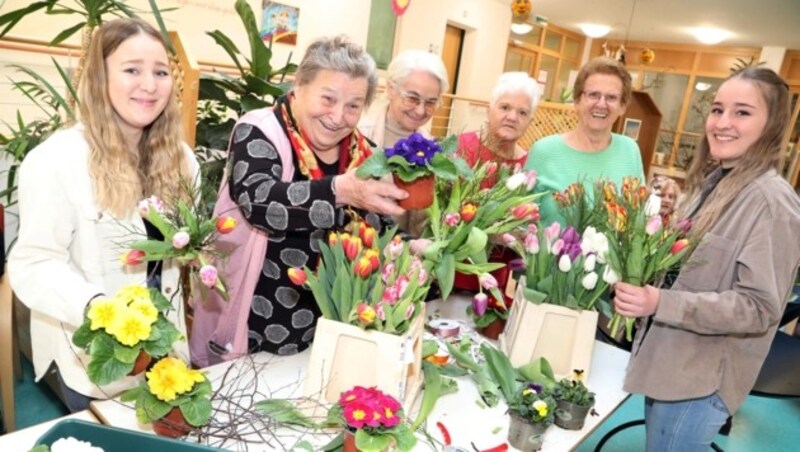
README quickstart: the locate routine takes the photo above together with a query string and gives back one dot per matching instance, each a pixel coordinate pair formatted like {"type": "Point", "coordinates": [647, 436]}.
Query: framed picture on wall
{"type": "Point", "coordinates": [631, 128]}
{"type": "Point", "coordinates": [279, 23]}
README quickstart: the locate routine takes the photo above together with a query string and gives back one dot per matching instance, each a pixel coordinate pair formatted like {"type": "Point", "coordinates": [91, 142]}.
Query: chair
{"type": "Point", "coordinates": [10, 366]}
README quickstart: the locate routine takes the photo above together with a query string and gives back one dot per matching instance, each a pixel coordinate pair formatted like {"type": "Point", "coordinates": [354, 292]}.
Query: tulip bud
{"type": "Point", "coordinates": [367, 234]}
{"type": "Point", "coordinates": [374, 258]}
{"type": "Point", "coordinates": [487, 281]}
{"type": "Point", "coordinates": [532, 244]}
{"type": "Point", "coordinates": [452, 219]}
{"type": "Point", "coordinates": [468, 211]}
{"type": "Point", "coordinates": [589, 263]}
{"type": "Point", "coordinates": [333, 239]}
{"type": "Point", "coordinates": [527, 210]}
{"type": "Point", "coordinates": [145, 204]}
{"type": "Point", "coordinates": [180, 240]}
{"type": "Point", "coordinates": [208, 275]}
{"type": "Point", "coordinates": [508, 239]}
{"type": "Point", "coordinates": [653, 205]}
{"type": "Point", "coordinates": [557, 247]}
{"type": "Point", "coordinates": [679, 246]}
{"type": "Point", "coordinates": [132, 257]}
{"type": "Point", "coordinates": [366, 314]}
{"type": "Point", "coordinates": [297, 276]}
{"type": "Point", "coordinates": [480, 302]}
{"type": "Point", "coordinates": [363, 267]}
{"type": "Point", "coordinates": [530, 179]}
{"type": "Point", "coordinates": [225, 224]}
{"type": "Point", "coordinates": [684, 226]}
{"type": "Point", "coordinates": [402, 284]}
{"type": "Point", "coordinates": [388, 272]}
{"type": "Point", "coordinates": [589, 281]}
{"type": "Point", "coordinates": [564, 264]}
{"type": "Point", "coordinates": [514, 182]}
{"type": "Point", "coordinates": [610, 276]}
{"type": "Point", "coordinates": [380, 312]}
{"type": "Point", "coordinates": [394, 248]}
{"type": "Point", "coordinates": [351, 245]}
{"type": "Point", "coordinates": [390, 295]}
{"type": "Point", "coordinates": [653, 225]}
{"type": "Point", "coordinates": [410, 311]}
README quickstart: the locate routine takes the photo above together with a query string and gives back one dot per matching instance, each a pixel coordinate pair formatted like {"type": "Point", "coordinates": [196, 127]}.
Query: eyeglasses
{"type": "Point", "coordinates": [595, 96]}
{"type": "Point", "coordinates": [411, 100]}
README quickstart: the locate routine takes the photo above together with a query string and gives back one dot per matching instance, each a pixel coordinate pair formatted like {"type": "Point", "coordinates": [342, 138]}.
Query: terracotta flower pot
{"type": "Point", "coordinates": [523, 435]}
{"type": "Point", "coordinates": [493, 330]}
{"type": "Point", "coordinates": [570, 416]}
{"type": "Point", "coordinates": [141, 363]}
{"type": "Point", "coordinates": [173, 425]}
{"type": "Point", "coordinates": [420, 192]}
{"type": "Point", "coordinates": [349, 442]}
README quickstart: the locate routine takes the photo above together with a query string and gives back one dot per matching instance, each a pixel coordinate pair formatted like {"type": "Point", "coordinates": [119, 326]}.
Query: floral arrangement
{"type": "Point", "coordinates": [376, 419]}
{"type": "Point", "coordinates": [463, 216]}
{"type": "Point", "coordinates": [578, 209]}
{"type": "Point", "coordinates": [189, 237]}
{"type": "Point", "coordinates": [563, 267]}
{"type": "Point", "coordinates": [640, 248]}
{"type": "Point", "coordinates": [573, 390]}
{"type": "Point", "coordinates": [118, 329]}
{"type": "Point", "coordinates": [535, 404]}
{"type": "Point", "coordinates": [414, 157]}
{"type": "Point", "coordinates": [367, 280]}
{"type": "Point", "coordinates": [171, 384]}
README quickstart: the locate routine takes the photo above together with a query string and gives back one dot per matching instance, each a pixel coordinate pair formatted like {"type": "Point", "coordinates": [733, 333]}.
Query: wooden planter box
{"type": "Point", "coordinates": [343, 356]}
{"type": "Point", "coordinates": [565, 337]}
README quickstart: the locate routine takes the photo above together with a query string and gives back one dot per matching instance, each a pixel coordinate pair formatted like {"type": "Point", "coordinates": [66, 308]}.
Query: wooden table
{"type": "Point", "coordinates": [25, 439]}
{"type": "Point", "coordinates": [467, 420]}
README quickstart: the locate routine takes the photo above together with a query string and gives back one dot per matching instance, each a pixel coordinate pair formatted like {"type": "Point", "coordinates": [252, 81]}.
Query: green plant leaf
{"type": "Point", "coordinates": [151, 408]}
{"type": "Point", "coordinates": [196, 411]}
{"type": "Point", "coordinates": [446, 274]}
{"type": "Point", "coordinates": [83, 336]}
{"type": "Point", "coordinates": [104, 368]}
{"type": "Point", "coordinates": [126, 354]}
{"type": "Point", "coordinates": [367, 442]}
{"type": "Point", "coordinates": [66, 33]}
{"type": "Point", "coordinates": [228, 46]}
{"type": "Point", "coordinates": [375, 166]}
{"type": "Point", "coordinates": [501, 370]}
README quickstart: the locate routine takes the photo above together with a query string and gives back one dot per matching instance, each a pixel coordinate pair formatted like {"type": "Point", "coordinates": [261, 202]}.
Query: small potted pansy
{"type": "Point", "coordinates": [373, 421]}
{"type": "Point", "coordinates": [122, 333]}
{"type": "Point", "coordinates": [532, 412]}
{"type": "Point", "coordinates": [175, 398]}
{"type": "Point", "coordinates": [413, 162]}
{"type": "Point", "coordinates": [574, 401]}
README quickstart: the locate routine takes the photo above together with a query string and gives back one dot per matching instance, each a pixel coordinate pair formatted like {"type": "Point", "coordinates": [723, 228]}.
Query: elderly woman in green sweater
{"type": "Point", "coordinates": [602, 91]}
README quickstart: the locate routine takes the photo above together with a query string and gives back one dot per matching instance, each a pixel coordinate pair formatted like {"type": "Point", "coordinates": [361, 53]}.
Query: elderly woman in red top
{"type": "Point", "coordinates": [511, 109]}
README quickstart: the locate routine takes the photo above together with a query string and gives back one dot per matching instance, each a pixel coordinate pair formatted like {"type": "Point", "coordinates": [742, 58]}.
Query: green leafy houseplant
{"type": "Point", "coordinates": [366, 280]}
{"type": "Point", "coordinates": [414, 157]}
{"type": "Point", "coordinates": [534, 403]}
{"type": "Point", "coordinates": [118, 329]}
{"type": "Point", "coordinates": [171, 385]}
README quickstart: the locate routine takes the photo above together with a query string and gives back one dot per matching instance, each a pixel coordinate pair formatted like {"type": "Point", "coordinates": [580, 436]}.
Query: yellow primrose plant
{"type": "Point", "coordinates": [120, 330]}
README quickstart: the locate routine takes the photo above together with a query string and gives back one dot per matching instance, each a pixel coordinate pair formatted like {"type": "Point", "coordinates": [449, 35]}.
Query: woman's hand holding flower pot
{"type": "Point", "coordinates": [368, 194]}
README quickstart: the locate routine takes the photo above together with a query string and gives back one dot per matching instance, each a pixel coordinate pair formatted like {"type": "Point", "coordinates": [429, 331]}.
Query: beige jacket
{"type": "Point", "coordinates": [68, 252]}
{"type": "Point", "coordinates": [712, 330]}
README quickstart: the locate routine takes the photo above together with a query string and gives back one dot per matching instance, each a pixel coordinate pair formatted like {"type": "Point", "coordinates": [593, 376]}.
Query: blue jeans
{"type": "Point", "coordinates": [74, 400]}
{"type": "Point", "coordinates": [683, 425]}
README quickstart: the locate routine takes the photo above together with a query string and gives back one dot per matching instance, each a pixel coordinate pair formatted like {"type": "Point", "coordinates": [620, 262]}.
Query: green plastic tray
{"type": "Point", "coordinates": [112, 439]}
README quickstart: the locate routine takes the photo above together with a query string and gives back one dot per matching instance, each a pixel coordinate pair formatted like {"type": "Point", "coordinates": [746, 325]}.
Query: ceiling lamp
{"type": "Point", "coordinates": [702, 86]}
{"type": "Point", "coordinates": [521, 28]}
{"type": "Point", "coordinates": [710, 36]}
{"type": "Point", "coordinates": [594, 30]}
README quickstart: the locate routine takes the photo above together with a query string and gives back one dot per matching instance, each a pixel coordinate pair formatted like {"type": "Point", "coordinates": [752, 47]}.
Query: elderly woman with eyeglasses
{"type": "Point", "coordinates": [602, 91]}
{"type": "Point", "coordinates": [415, 84]}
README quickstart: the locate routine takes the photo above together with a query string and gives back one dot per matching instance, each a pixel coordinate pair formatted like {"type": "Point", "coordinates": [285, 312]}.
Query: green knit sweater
{"type": "Point", "coordinates": [558, 165]}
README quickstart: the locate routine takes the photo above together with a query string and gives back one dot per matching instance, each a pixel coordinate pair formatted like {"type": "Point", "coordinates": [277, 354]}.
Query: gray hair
{"type": "Point", "coordinates": [417, 60]}
{"type": "Point", "coordinates": [516, 83]}
{"type": "Point", "coordinates": [337, 54]}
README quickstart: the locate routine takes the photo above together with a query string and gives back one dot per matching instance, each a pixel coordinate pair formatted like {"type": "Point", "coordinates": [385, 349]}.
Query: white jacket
{"type": "Point", "coordinates": [68, 251]}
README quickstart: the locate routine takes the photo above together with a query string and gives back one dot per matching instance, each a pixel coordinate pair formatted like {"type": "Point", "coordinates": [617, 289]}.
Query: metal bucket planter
{"type": "Point", "coordinates": [570, 416]}
{"type": "Point", "coordinates": [524, 435]}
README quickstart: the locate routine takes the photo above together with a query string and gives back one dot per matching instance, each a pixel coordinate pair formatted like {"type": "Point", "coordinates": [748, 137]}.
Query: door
{"type": "Point", "coordinates": [451, 56]}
